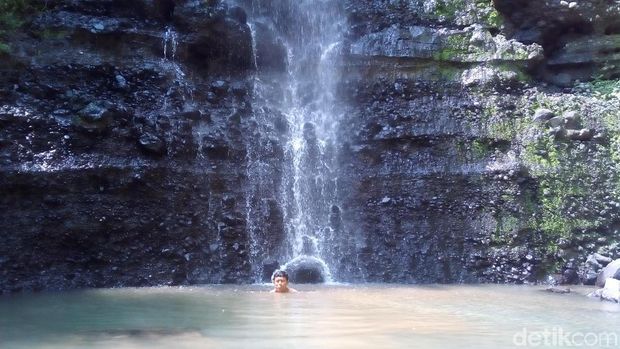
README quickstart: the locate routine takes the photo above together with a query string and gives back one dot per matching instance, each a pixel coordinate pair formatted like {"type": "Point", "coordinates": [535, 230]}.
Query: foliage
{"type": "Point", "coordinates": [12, 15]}
{"type": "Point", "coordinates": [606, 88]}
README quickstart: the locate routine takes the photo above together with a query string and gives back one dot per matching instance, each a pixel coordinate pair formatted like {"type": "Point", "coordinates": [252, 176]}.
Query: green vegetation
{"type": "Point", "coordinates": [605, 87]}
{"type": "Point", "coordinates": [12, 16]}
{"type": "Point", "coordinates": [454, 46]}
{"type": "Point", "coordinates": [506, 230]}
{"type": "Point", "coordinates": [480, 149]}
{"type": "Point", "coordinates": [447, 9]}
{"type": "Point", "coordinates": [566, 181]}
{"type": "Point", "coordinates": [488, 13]}
{"type": "Point", "coordinates": [573, 181]}
{"type": "Point", "coordinates": [468, 12]}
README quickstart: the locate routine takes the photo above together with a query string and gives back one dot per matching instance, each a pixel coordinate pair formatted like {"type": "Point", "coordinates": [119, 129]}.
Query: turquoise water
{"type": "Point", "coordinates": [320, 316]}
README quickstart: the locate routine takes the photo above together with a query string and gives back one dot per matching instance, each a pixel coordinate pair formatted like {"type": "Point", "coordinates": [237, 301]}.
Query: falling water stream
{"type": "Point", "coordinates": [170, 65]}
{"type": "Point", "coordinates": [310, 33]}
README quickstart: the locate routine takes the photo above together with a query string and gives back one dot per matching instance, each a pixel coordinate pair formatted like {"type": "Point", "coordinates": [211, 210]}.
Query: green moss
{"type": "Point", "coordinates": [454, 47]}
{"type": "Point", "coordinates": [4, 48]}
{"type": "Point", "coordinates": [480, 149]}
{"type": "Point", "coordinates": [12, 13]}
{"type": "Point", "coordinates": [507, 129]}
{"type": "Point", "coordinates": [565, 178]}
{"type": "Point", "coordinates": [542, 156]}
{"type": "Point", "coordinates": [447, 72]}
{"type": "Point", "coordinates": [514, 68]}
{"type": "Point", "coordinates": [506, 229]}
{"type": "Point", "coordinates": [488, 13]}
{"type": "Point", "coordinates": [604, 88]}
{"type": "Point", "coordinates": [448, 9]}
{"type": "Point", "coordinates": [12, 16]}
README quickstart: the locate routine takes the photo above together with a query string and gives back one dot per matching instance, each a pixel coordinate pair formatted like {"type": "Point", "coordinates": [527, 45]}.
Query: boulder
{"type": "Point", "coordinates": [611, 291]}
{"type": "Point", "coordinates": [603, 260]}
{"type": "Point", "coordinates": [559, 290]}
{"type": "Point", "coordinates": [579, 135]}
{"type": "Point", "coordinates": [306, 270]}
{"type": "Point", "coordinates": [151, 143]}
{"type": "Point", "coordinates": [94, 112]}
{"type": "Point", "coordinates": [572, 120]}
{"type": "Point", "coordinates": [610, 271]}
{"type": "Point", "coordinates": [543, 114]}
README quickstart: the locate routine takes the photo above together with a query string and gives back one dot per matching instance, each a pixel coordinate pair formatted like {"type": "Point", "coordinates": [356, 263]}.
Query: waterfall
{"type": "Point", "coordinates": [309, 33]}
{"type": "Point", "coordinates": [169, 64]}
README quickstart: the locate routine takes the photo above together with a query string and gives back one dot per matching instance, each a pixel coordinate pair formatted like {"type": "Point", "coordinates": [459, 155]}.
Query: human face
{"type": "Point", "coordinates": [280, 284]}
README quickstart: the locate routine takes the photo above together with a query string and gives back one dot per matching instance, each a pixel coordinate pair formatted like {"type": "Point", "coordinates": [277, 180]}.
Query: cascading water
{"type": "Point", "coordinates": [303, 95]}
{"type": "Point", "coordinates": [171, 66]}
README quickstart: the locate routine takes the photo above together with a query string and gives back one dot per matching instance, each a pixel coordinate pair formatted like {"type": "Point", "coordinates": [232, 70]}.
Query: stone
{"type": "Point", "coordinates": [608, 272]}
{"type": "Point", "coordinates": [593, 261]}
{"type": "Point", "coordinates": [152, 143]}
{"type": "Point", "coordinates": [559, 290]}
{"type": "Point", "coordinates": [472, 44]}
{"type": "Point", "coordinates": [589, 278]}
{"type": "Point", "coordinates": [194, 115]}
{"type": "Point", "coordinates": [572, 120]}
{"type": "Point", "coordinates": [120, 82]}
{"type": "Point", "coordinates": [543, 115]}
{"type": "Point", "coordinates": [556, 121]}
{"type": "Point", "coordinates": [578, 135]}
{"type": "Point", "coordinates": [238, 14]}
{"type": "Point", "coordinates": [611, 290]}
{"type": "Point", "coordinates": [488, 76]}
{"type": "Point", "coordinates": [94, 112]}
{"type": "Point", "coordinates": [220, 87]}
{"type": "Point", "coordinates": [603, 260]}
{"type": "Point", "coordinates": [306, 270]}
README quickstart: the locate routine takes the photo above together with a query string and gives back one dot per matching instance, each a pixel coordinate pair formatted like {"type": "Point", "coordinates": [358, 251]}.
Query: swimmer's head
{"type": "Point", "coordinates": [279, 273]}
{"type": "Point", "coordinates": [280, 281]}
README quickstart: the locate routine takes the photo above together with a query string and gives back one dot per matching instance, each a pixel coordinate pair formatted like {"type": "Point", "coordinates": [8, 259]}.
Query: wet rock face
{"type": "Point", "coordinates": [439, 186]}
{"type": "Point", "coordinates": [120, 163]}
{"type": "Point", "coordinates": [580, 38]}
{"type": "Point", "coordinates": [126, 148]}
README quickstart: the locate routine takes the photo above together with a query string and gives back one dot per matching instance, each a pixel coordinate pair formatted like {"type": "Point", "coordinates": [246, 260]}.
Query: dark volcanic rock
{"type": "Point", "coordinates": [306, 270]}
{"type": "Point", "coordinates": [104, 178]}
{"type": "Point", "coordinates": [145, 143]}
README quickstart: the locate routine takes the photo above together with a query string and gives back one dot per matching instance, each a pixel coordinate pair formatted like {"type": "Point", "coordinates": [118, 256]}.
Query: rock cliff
{"type": "Point", "coordinates": [480, 142]}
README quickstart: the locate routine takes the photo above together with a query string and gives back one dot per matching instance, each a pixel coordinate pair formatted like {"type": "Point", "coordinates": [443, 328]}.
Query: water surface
{"type": "Point", "coordinates": [321, 316]}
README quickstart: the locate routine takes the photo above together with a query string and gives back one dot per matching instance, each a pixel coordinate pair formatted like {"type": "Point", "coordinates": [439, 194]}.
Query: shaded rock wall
{"type": "Point", "coordinates": [480, 143]}
{"type": "Point", "coordinates": [122, 164]}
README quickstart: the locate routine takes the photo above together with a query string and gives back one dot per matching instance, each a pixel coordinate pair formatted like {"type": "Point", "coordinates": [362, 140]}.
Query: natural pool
{"type": "Point", "coordinates": [321, 316]}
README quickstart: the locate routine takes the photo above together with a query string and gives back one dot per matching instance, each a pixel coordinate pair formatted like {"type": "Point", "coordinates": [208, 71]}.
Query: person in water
{"type": "Point", "coordinates": [280, 282]}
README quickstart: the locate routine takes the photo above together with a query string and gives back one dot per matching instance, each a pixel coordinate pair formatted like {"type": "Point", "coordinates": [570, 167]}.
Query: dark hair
{"type": "Point", "coordinates": [279, 273]}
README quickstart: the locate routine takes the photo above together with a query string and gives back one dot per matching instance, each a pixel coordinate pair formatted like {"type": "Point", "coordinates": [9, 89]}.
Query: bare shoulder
{"type": "Point", "coordinates": [292, 290]}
